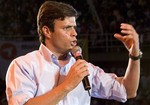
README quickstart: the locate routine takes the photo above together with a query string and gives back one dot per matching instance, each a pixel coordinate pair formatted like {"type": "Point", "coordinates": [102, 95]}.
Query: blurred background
{"type": "Point", "coordinates": [98, 21]}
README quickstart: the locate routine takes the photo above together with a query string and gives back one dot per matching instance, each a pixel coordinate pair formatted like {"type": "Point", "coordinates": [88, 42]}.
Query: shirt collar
{"type": "Point", "coordinates": [48, 55]}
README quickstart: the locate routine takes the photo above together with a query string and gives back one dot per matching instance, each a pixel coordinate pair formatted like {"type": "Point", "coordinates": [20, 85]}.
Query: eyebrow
{"type": "Point", "coordinates": [69, 26]}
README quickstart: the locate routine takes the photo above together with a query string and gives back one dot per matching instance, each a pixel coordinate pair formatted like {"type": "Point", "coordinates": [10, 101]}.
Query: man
{"type": "Point", "coordinates": [52, 76]}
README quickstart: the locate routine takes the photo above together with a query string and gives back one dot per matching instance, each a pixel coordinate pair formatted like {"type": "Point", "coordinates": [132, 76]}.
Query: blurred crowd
{"type": "Point", "coordinates": [18, 18]}
{"type": "Point", "coordinates": [135, 12]}
{"type": "Point", "coordinates": [113, 12]}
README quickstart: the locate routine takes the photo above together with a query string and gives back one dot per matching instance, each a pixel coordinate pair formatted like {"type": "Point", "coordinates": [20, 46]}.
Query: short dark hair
{"type": "Point", "coordinates": [50, 11]}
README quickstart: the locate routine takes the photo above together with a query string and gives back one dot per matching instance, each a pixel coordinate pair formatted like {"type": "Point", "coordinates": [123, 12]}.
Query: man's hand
{"type": "Point", "coordinates": [76, 74]}
{"type": "Point", "coordinates": [130, 38]}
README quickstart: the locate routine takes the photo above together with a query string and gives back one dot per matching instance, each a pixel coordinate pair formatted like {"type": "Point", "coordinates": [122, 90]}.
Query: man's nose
{"type": "Point", "coordinates": [73, 32]}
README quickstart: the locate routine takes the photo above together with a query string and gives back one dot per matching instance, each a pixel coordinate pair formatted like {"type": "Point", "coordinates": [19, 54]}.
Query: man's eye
{"type": "Point", "coordinates": [67, 28]}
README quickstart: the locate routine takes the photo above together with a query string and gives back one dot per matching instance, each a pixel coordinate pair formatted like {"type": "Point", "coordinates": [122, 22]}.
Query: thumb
{"type": "Point", "coordinates": [119, 37]}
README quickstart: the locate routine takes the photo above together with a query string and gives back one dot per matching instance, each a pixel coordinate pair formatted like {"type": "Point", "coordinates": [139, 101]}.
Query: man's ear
{"type": "Point", "coordinates": [46, 31]}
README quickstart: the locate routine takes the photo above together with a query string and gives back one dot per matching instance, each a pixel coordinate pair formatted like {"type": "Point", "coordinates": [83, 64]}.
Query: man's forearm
{"type": "Point", "coordinates": [50, 98]}
{"type": "Point", "coordinates": [131, 78]}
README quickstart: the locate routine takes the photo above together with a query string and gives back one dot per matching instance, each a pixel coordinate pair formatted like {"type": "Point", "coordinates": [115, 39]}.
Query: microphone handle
{"type": "Point", "coordinates": [85, 80]}
{"type": "Point", "coordinates": [86, 83]}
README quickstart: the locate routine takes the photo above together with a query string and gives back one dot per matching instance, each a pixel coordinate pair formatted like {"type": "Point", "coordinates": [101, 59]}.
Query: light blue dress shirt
{"type": "Point", "coordinates": [38, 72]}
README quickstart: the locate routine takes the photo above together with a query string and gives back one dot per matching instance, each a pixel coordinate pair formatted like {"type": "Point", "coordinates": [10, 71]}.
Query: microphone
{"type": "Point", "coordinates": [77, 53]}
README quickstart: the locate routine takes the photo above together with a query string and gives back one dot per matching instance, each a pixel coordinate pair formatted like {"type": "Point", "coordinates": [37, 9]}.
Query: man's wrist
{"type": "Point", "coordinates": [136, 57]}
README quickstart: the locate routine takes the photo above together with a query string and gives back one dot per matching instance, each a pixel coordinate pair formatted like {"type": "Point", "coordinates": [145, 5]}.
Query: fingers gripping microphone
{"type": "Point", "coordinates": [77, 53]}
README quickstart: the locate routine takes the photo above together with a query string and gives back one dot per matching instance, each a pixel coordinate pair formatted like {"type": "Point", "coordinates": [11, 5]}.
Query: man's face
{"type": "Point", "coordinates": [64, 36]}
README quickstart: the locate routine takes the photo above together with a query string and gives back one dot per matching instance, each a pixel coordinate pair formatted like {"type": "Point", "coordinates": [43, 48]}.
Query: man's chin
{"type": "Point", "coordinates": [70, 48]}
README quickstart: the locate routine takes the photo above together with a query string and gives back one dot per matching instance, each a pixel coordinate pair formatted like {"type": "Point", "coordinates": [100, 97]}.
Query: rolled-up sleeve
{"type": "Point", "coordinates": [20, 86]}
{"type": "Point", "coordinates": [105, 86]}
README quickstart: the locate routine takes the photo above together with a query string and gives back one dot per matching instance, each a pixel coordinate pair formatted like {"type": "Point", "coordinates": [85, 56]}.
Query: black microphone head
{"type": "Point", "coordinates": [76, 51]}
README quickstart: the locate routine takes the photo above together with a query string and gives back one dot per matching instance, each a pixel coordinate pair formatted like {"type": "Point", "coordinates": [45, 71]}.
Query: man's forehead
{"type": "Point", "coordinates": [66, 21]}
